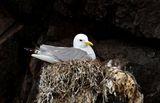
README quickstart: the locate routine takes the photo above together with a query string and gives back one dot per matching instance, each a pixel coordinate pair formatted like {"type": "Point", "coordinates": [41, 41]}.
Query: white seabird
{"type": "Point", "coordinates": [81, 50]}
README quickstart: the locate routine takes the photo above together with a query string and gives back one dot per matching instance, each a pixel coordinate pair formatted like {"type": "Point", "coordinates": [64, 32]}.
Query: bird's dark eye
{"type": "Point", "coordinates": [80, 40]}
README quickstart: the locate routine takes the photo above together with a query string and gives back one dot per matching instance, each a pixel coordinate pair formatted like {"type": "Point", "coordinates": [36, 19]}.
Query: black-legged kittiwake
{"type": "Point", "coordinates": [81, 50]}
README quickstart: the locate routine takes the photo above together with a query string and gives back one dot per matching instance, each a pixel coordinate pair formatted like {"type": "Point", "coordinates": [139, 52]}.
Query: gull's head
{"type": "Point", "coordinates": [81, 41]}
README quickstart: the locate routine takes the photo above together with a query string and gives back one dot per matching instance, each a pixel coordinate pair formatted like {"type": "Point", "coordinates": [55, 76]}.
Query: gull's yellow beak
{"type": "Point", "coordinates": [88, 43]}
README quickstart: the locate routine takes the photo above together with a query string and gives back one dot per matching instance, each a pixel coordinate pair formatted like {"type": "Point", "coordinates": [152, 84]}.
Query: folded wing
{"type": "Point", "coordinates": [53, 53]}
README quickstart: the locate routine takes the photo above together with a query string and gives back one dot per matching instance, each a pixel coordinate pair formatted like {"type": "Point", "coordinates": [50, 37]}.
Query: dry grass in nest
{"type": "Point", "coordinates": [84, 81]}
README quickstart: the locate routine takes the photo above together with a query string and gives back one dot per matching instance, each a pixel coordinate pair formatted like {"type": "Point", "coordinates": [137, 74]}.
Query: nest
{"type": "Point", "coordinates": [86, 82]}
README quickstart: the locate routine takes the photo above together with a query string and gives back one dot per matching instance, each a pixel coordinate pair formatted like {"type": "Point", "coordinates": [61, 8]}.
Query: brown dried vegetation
{"type": "Point", "coordinates": [84, 81]}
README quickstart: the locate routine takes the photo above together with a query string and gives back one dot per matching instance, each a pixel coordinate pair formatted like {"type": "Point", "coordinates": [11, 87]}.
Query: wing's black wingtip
{"type": "Point", "coordinates": [29, 49]}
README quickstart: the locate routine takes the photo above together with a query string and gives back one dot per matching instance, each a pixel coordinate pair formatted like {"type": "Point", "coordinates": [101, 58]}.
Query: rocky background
{"type": "Point", "coordinates": [128, 30]}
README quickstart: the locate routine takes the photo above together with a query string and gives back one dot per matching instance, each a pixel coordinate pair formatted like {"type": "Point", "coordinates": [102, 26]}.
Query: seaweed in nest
{"type": "Point", "coordinates": [83, 81]}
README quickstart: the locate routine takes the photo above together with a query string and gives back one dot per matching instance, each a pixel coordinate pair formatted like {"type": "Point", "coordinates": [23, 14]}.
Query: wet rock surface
{"type": "Point", "coordinates": [125, 29]}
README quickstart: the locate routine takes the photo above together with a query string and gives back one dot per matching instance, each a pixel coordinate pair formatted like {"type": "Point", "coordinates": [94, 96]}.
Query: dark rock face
{"type": "Point", "coordinates": [133, 26]}
{"type": "Point", "coordinates": [138, 17]}
{"type": "Point", "coordinates": [10, 69]}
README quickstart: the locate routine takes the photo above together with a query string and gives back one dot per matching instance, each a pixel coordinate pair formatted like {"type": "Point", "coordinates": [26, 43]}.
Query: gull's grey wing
{"type": "Point", "coordinates": [63, 53]}
{"type": "Point", "coordinates": [50, 48]}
